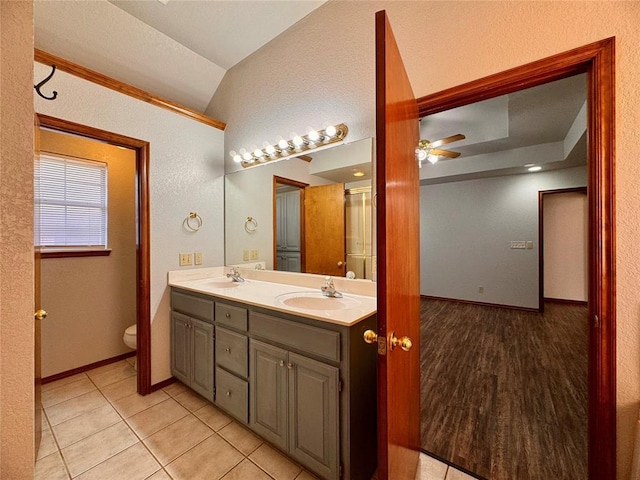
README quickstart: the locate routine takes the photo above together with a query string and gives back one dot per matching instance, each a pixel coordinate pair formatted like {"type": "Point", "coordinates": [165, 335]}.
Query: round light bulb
{"type": "Point", "coordinates": [270, 149]}
{"type": "Point", "coordinates": [246, 156]}
{"type": "Point", "coordinates": [432, 158]}
{"type": "Point", "coordinates": [237, 158]}
{"type": "Point", "coordinates": [296, 139]}
{"type": "Point", "coordinates": [313, 135]}
{"type": "Point", "coordinates": [422, 154]}
{"type": "Point", "coordinates": [258, 153]}
{"type": "Point", "coordinates": [331, 131]}
{"type": "Point", "coordinates": [282, 143]}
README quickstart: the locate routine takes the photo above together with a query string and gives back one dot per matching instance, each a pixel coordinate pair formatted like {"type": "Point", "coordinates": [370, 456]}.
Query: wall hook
{"type": "Point", "coordinates": [39, 85]}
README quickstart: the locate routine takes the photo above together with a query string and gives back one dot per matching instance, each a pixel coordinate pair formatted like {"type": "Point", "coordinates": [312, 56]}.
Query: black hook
{"type": "Point", "coordinates": [38, 86]}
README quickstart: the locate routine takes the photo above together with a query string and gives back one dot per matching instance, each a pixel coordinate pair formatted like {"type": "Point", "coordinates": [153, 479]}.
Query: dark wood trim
{"type": "Point", "coordinates": [598, 61]}
{"type": "Point", "coordinates": [301, 186]}
{"type": "Point", "coordinates": [124, 88]}
{"type": "Point", "coordinates": [142, 233]}
{"type": "Point", "coordinates": [566, 301]}
{"type": "Point", "coordinates": [86, 368]}
{"type": "Point", "coordinates": [482, 304]}
{"type": "Point", "coordinates": [75, 253]}
{"type": "Point", "coordinates": [165, 383]}
{"type": "Point", "coordinates": [541, 195]}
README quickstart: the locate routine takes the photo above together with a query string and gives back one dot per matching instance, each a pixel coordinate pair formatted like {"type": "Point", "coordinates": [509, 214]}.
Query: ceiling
{"type": "Point", "coordinates": [176, 49]}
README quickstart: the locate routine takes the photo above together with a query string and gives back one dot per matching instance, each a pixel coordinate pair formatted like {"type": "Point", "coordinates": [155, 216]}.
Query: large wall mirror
{"type": "Point", "coordinates": [308, 214]}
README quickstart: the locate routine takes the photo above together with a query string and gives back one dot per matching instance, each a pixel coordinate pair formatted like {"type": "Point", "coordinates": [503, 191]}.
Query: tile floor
{"type": "Point", "coordinates": [95, 426]}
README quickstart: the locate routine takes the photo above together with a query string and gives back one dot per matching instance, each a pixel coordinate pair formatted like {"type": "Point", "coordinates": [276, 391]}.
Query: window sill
{"type": "Point", "coordinates": [68, 253]}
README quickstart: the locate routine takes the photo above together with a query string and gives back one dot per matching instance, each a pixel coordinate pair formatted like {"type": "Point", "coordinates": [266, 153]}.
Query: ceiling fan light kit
{"type": "Point", "coordinates": [429, 151]}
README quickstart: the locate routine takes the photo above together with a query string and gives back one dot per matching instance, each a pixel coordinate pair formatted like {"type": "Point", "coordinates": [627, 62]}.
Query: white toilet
{"type": "Point", "coordinates": [129, 338]}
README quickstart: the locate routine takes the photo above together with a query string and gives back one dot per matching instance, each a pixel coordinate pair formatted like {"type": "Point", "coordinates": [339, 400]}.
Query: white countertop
{"type": "Point", "coordinates": [258, 292]}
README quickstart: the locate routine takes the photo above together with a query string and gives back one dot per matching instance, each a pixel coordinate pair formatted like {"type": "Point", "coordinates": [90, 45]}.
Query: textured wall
{"type": "Point", "coordinates": [185, 175]}
{"type": "Point", "coordinates": [16, 240]}
{"type": "Point", "coordinates": [465, 234]}
{"type": "Point", "coordinates": [323, 69]}
{"type": "Point", "coordinates": [92, 300]}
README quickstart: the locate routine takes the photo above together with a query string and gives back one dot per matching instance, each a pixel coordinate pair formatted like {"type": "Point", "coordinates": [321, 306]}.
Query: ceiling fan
{"type": "Point", "coordinates": [428, 150]}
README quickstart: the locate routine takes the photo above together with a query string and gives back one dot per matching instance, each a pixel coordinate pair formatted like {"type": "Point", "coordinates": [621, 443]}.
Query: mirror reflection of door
{"type": "Point", "coordinates": [289, 218]}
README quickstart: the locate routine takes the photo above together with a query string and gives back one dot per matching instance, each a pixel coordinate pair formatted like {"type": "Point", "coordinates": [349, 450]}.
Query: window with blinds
{"type": "Point", "coordinates": [70, 202]}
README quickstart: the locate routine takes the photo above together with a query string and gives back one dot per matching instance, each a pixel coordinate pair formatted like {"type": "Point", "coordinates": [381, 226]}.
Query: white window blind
{"type": "Point", "coordinates": [70, 202]}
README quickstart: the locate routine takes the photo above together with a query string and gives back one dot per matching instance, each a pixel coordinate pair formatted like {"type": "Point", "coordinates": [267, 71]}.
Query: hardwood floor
{"type": "Point", "coordinates": [504, 392]}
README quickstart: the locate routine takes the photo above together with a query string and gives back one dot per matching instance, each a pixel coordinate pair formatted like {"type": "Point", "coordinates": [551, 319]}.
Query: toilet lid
{"type": "Point", "coordinates": [131, 330]}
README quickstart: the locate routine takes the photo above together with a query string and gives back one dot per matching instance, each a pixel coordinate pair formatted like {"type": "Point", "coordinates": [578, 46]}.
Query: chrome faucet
{"type": "Point", "coordinates": [329, 289]}
{"type": "Point", "coordinates": [234, 275]}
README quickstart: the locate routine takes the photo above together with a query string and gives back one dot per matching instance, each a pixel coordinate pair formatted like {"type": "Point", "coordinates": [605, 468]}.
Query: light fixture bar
{"type": "Point", "coordinates": [298, 144]}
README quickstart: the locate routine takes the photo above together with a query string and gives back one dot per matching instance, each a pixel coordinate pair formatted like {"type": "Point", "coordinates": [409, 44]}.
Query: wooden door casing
{"type": "Point", "coordinates": [37, 344]}
{"type": "Point", "coordinates": [398, 247]}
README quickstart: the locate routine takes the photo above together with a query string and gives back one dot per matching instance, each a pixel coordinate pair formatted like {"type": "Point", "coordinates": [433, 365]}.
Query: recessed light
{"type": "Point", "coordinates": [358, 174]}
{"type": "Point", "coordinates": [535, 168]}
{"type": "Point", "coordinates": [529, 165]}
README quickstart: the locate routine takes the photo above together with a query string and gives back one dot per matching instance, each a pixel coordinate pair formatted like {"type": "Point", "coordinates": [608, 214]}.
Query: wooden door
{"type": "Point", "coordinates": [398, 275]}
{"type": "Point", "coordinates": [324, 229]}
{"type": "Point", "coordinates": [38, 317]}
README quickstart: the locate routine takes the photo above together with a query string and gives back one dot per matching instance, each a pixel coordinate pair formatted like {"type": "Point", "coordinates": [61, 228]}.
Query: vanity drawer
{"type": "Point", "coordinates": [232, 394]}
{"type": "Point", "coordinates": [193, 306]}
{"type": "Point", "coordinates": [306, 338]}
{"type": "Point", "coordinates": [232, 351]}
{"type": "Point", "coordinates": [234, 317]}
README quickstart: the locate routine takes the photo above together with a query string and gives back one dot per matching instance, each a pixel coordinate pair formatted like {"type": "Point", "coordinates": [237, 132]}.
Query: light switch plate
{"type": "Point", "coordinates": [197, 258]}
{"type": "Point", "coordinates": [254, 254]}
{"type": "Point", "coordinates": [246, 255]}
{"type": "Point", "coordinates": [186, 259]}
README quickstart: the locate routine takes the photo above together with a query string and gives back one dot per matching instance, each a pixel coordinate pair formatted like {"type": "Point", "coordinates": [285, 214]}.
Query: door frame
{"type": "Point", "coordinates": [142, 233]}
{"type": "Point", "coordinates": [597, 60]}
{"type": "Point", "coordinates": [541, 195]}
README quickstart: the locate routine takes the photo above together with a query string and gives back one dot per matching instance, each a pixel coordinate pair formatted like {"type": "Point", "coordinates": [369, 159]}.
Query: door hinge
{"type": "Point", "coordinates": [214, 392]}
{"type": "Point", "coordinates": [340, 471]}
{"type": "Point", "coordinates": [339, 385]}
{"type": "Point", "coordinates": [596, 321]}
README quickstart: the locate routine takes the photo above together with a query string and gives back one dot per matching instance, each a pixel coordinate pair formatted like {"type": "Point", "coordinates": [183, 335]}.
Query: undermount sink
{"type": "Point", "coordinates": [218, 282]}
{"type": "Point", "coordinates": [316, 301]}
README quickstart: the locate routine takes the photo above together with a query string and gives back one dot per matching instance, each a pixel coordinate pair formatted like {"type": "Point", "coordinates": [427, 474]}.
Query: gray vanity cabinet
{"type": "Point", "coordinates": [294, 405]}
{"type": "Point", "coordinates": [192, 353]}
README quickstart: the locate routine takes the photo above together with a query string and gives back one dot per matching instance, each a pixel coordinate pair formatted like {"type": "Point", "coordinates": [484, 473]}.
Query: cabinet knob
{"type": "Point", "coordinates": [228, 315]}
{"type": "Point", "coordinates": [282, 363]}
{"type": "Point", "coordinates": [228, 393]}
{"type": "Point", "coordinates": [228, 350]}
{"type": "Point", "coordinates": [289, 365]}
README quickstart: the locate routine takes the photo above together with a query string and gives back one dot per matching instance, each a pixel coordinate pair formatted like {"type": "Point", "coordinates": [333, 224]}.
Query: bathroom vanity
{"type": "Point", "coordinates": [285, 361]}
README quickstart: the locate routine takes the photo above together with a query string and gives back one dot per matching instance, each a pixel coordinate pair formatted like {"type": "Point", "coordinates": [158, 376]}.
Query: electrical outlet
{"type": "Point", "coordinates": [254, 254]}
{"type": "Point", "coordinates": [186, 259]}
{"type": "Point", "coordinates": [480, 289]}
{"type": "Point", "coordinates": [246, 255]}
{"type": "Point", "coordinates": [197, 258]}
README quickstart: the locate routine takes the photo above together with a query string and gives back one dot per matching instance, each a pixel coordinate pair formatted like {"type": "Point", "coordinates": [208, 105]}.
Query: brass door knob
{"type": "Point", "coordinates": [403, 342]}
{"type": "Point", "coordinates": [40, 314]}
{"type": "Point", "coordinates": [370, 336]}
{"type": "Point", "coordinates": [340, 263]}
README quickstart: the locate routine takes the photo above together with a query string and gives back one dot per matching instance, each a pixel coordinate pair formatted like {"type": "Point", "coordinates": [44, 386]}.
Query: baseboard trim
{"type": "Point", "coordinates": [162, 384]}
{"type": "Point", "coordinates": [86, 368]}
{"type": "Point", "coordinates": [568, 302]}
{"type": "Point", "coordinates": [481, 304]}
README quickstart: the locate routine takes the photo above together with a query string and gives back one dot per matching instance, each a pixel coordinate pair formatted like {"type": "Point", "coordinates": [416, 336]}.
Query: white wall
{"type": "Point", "coordinates": [447, 43]}
{"type": "Point", "coordinates": [185, 175]}
{"type": "Point", "coordinates": [565, 227]}
{"type": "Point", "coordinates": [465, 234]}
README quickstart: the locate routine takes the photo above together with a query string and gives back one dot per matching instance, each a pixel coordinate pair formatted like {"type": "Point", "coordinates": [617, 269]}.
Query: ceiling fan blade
{"type": "Point", "coordinates": [444, 141]}
{"type": "Point", "coordinates": [444, 153]}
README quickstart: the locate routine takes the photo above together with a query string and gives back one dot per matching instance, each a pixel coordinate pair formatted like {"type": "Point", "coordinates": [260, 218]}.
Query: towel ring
{"type": "Point", "coordinates": [250, 225]}
{"type": "Point", "coordinates": [193, 222]}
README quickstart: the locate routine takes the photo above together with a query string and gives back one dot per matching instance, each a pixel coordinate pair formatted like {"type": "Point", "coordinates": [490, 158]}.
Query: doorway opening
{"type": "Point", "coordinates": [142, 254]}
{"type": "Point", "coordinates": [597, 61]}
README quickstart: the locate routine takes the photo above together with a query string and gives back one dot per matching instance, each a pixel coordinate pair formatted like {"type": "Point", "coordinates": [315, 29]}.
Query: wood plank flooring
{"type": "Point", "coordinates": [504, 392]}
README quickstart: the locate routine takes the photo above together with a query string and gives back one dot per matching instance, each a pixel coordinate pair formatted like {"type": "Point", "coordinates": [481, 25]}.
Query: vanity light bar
{"type": "Point", "coordinates": [282, 149]}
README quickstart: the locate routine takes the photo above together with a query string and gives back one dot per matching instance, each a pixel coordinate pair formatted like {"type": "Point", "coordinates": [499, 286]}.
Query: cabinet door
{"type": "Point", "coordinates": [202, 347]}
{"type": "Point", "coordinates": [313, 415]}
{"type": "Point", "coordinates": [268, 392]}
{"type": "Point", "coordinates": [180, 347]}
